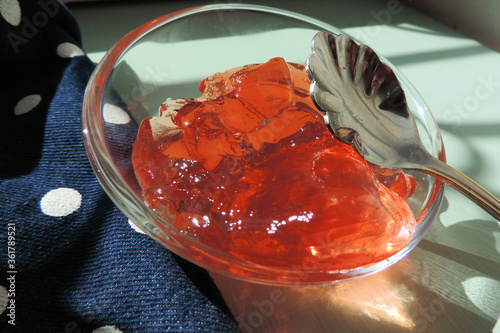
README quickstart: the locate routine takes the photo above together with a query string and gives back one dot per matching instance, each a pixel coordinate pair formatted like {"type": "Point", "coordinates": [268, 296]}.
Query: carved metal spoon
{"type": "Point", "coordinates": [366, 107]}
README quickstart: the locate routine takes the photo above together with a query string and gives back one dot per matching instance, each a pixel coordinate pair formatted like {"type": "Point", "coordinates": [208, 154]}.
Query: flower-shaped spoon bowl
{"type": "Point", "coordinates": [366, 106]}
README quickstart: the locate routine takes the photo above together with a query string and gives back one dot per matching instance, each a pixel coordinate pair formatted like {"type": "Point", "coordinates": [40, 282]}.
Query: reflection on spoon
{"type": "Point", "coordinates": [366, 107]}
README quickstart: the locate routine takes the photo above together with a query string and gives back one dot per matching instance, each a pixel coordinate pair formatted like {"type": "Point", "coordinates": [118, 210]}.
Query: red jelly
{"type": "Point", "coordinates": [250, 168]}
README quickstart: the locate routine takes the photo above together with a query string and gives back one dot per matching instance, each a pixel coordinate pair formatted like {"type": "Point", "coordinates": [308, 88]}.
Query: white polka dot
{"type": "Point", "coordinates": [114, 114]}
{"type": "Point", "coordinates": [11, 11]}
{"type": "Point", "coordinates": [107, 329]}
{"type": "Point", "coordinates": [135, 227]}
{"type": "Point", "coordinates": [69, 50]}
{"type": "Point", "coordinates": [27, 104]}
{"type": "Point", "coordinates": [4, 299]}
{"type": "Point", "coordinates": [61, 202]}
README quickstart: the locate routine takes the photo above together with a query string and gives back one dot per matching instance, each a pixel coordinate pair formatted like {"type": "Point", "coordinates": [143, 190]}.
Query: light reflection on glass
{"type": "Point", "coordinates": [377, 297]}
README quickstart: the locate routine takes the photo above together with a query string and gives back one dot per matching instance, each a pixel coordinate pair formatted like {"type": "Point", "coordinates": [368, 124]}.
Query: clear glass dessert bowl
{"type": "Point", "coordinates": [168, 58]}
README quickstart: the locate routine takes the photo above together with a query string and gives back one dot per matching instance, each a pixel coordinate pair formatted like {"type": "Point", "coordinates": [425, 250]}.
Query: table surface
{"type": "Point", "coordinates": [451, 281]}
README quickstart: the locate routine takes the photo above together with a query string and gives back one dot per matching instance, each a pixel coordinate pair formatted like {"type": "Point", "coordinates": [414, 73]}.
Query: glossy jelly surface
{"type": "Point", "coordinates": [250, 168]}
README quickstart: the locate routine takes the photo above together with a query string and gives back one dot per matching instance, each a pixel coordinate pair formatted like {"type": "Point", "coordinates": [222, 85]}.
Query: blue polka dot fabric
{"type": "Point", "coordinates": [70, 260]}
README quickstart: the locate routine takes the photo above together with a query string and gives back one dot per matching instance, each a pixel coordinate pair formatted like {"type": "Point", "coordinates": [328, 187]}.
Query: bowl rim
{"type": "Point", "coordinates": [113, 184]}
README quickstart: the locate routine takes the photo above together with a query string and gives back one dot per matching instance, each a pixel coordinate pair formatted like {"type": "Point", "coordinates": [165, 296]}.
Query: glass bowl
{"type": "Point", "coordinates": [169, 57]}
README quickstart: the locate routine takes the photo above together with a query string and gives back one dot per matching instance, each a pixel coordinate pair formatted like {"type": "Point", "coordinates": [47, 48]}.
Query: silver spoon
{"type": "Point", "coordinates": [365, 106]}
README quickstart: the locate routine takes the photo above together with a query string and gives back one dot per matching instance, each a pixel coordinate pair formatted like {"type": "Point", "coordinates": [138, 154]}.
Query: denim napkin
{"type": "Point", "coordinates": [70, 261]}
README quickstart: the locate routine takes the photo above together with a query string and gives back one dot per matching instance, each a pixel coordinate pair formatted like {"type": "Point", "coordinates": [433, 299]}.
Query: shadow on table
{"type": "Point", "coordinates": [437, 288]}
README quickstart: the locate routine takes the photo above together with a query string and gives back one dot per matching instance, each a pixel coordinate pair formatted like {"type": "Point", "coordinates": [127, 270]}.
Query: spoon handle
{"type": "Point", "coordinates": [464, 185]}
